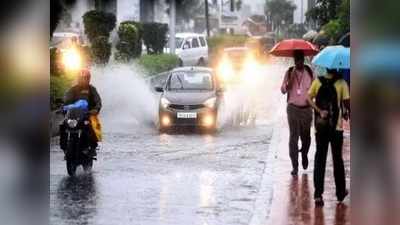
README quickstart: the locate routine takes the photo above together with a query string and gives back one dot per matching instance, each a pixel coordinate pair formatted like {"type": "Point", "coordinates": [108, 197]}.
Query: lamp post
{"type": "Point", "coordinates": [207, 22]}
{"type": "Point", "coordinates": [172, 21]}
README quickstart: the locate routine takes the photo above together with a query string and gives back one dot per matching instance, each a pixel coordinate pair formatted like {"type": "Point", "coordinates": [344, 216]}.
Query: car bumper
{"type": "Point", "coordinates": [205, 118]}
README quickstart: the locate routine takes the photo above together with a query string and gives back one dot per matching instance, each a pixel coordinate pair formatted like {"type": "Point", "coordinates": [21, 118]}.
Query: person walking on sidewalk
{"type": "Point", "coordinates": [332, 103]}
{"type": "Point", "coordinates": [295, 84]}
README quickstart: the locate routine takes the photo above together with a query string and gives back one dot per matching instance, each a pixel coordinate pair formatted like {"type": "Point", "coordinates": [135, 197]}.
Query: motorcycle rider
{"type": "Point", "coordinates": [84, 90]}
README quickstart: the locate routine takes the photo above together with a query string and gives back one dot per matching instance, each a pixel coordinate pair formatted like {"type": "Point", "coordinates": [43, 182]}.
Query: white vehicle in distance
{"type": "Point", "coordinates": [191, 48]}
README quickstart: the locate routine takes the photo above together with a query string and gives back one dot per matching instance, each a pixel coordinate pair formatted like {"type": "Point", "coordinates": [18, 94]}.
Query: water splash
{"type": "Point", "coordinates": [127, 100]}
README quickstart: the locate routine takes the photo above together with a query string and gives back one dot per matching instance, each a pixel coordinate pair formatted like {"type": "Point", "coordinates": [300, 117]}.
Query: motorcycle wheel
{"type": "Point", "coordinates": [71, 168]}
{"type": "Point", "coordinates": [88, 165]}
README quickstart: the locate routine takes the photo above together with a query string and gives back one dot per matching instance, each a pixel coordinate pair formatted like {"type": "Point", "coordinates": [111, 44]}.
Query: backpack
{"type": "Point", "coordinates": [327, 99]}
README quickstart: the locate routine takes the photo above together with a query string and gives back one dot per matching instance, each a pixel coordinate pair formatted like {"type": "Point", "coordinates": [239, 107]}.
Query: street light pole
{"type": "Point", "coordinates": [207, 22]}
{"type": "Point", "coordinates": [302, 12]}
{"type": "Point", "coordinates": [172, 21]}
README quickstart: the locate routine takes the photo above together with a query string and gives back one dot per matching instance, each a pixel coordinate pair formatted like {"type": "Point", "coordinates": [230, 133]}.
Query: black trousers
{"type": "Point", "coordinates": [335, 138]}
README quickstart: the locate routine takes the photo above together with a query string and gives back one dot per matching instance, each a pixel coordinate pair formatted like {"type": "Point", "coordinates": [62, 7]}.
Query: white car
{"type": "Point", "coordinates": [64, 39]}
{"type": "Point", "coordinates": [192, 49]}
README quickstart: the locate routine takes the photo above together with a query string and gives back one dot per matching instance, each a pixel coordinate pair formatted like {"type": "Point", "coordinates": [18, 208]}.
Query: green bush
{"type": "Point", "coordinates": [139, 30]}
{"type": "Point", "coordinates": [54, 59]}
{"type": "Point", "coordinates": [98, 23]}
{"type": "Point", "coordinates": [58, 86]}
{"type": "Point", "coordinates": [332, 30]}
{"type": "Point", "coordinates": [155, 37]}
{"type": "Point", "coordinates": [128, 42]}
{"type": "Point", "coordinates": [101, 50]}
{"type": "Point", "coordinates": [154, 64]}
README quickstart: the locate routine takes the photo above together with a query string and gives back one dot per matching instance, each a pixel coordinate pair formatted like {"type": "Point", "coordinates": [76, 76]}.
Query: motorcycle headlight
{"type": "Point", "coordinates": [165, 102]}
{"type": "Point", "coordinates": [210, 103]}
{"type": "Point", "coordinates": [72, 123]}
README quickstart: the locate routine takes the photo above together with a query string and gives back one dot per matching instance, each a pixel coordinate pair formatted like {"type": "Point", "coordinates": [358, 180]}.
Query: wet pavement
{"type": "Point", "coordinates": [167, 179]}
{"type": "Point", "coordinates": [240, 175]}
{"type": "Point", "coordinates": [293, 201]}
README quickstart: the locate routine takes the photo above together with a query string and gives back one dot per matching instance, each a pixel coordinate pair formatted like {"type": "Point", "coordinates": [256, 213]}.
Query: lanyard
{"type": "Point", "coordinates": [299, 82]}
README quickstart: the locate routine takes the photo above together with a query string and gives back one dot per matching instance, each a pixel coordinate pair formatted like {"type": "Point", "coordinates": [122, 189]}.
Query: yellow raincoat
{"type": "Point", "coordinates": [96, 126]}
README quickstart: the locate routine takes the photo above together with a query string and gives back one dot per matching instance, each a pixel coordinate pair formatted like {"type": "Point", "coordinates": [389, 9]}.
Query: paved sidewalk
{"type": "Point", "coordinates": [292, 201]}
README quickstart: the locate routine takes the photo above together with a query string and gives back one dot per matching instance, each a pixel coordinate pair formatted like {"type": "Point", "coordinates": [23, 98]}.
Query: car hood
{"type": "Point", "coordinates": [188, 97]}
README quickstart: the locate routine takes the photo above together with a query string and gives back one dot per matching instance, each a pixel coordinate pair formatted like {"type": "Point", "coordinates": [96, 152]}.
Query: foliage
{"type": "Point", "coordinates": [323, 11]}
{"type": "Point", "coordinates": [139, 30]}
{"type": "Point", "coordinates": [332, 29]}
{"type": "Point", "coordinates": [58, 86]}
{"type": "Point", "coordinates": [280, 10]}
{"type": "Point", "coordinates": [344, 16]}
{"type": "Point", "coordinates": [54, 59]}
{"type": "Point", "coordinates": [219, 42]}
{"type": "Point", "coordinates": [128, 42]}
{"type": "Point", "coordinates": [296, 31]}
{"type": "Point", "coordinates": [155, 37]}
{"type": "Point", "coordinates": [98, 23]}
{"type": "Point", "coordinates": [154, 64]}
{"type": "Point", "coordinates": [101, 50]}
{"type": "Point", "coordinates": [332, 16]}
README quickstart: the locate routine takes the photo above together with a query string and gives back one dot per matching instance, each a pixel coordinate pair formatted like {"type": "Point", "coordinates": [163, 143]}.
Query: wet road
{"type": "Point", "coordinates": [142, 177]}
{"type": "Point", "coordinates": [238, 176]}
{"type": "Point", "coordinates": [145, 178]}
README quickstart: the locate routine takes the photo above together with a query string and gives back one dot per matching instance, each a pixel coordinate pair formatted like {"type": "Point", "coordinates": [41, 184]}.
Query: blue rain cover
{"type": "Point", "coordinates": [80, 104]}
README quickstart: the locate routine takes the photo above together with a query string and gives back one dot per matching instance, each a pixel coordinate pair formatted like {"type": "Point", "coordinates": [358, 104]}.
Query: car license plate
{"type": "Point", "coordinates": [186, 115]}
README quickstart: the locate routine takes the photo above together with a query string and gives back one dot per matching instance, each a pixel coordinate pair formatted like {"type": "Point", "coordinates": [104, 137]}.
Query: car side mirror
{"type": "Point", "coordinates": [159, 89]}
{"type": "Point", "coordinates": [185, 46]}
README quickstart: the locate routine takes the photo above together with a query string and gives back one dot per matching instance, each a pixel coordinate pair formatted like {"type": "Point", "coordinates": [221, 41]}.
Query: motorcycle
{"type": "Point", "coordinates": [75, 137]}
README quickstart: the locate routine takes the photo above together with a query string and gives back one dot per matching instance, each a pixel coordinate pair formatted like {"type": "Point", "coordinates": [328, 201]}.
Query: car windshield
{"type": "Point", "coordinates": [191, 80]}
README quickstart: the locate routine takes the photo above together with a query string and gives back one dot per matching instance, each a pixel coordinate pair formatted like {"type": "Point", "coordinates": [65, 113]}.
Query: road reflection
{"type": "Point", "coordinates": [302, 211]}
{"type": "Point", "coordinates": [76, 199]}
{"type": "Point", "coordinates": [299, 201]}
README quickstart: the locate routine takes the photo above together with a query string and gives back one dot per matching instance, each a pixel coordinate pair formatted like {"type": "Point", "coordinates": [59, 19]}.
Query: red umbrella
{"type": "Point", "coordinates": [286, 48]}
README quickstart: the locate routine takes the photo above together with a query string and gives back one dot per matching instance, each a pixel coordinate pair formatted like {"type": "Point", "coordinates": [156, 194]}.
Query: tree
{"type": "Point", "coordinates": [332, 16]}
{"type": "Point", "coordinates": [344, 16]}
{"type": "Point", "coordinates": [323, 12]}
{"type": "Point", "coordinates": [187, 9]}
{"type": "Point", "coordinates": [280, 11]}
{"type": "Point", "coordinates": [98, 26]}
{"type": "Point", "coordinates": [98, 23]}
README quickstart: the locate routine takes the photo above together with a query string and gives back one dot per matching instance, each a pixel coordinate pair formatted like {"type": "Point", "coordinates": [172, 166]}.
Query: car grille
{"type": "Point", "coordinates": [186, 107]}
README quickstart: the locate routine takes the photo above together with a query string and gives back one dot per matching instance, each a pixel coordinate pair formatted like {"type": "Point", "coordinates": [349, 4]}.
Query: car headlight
{"type": "Point", "coordinates": [251, 71]}
{"type": "Point", "coordinates": [72, 59]}
{"type": "Point", "coordinates": [210, 103]}
{"type": "Point", "coordinates": [165, 102]}
{"type": "Point", "coordinates": [72, 123]}
{"type": "Point", "coordinates": [225, 70]}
